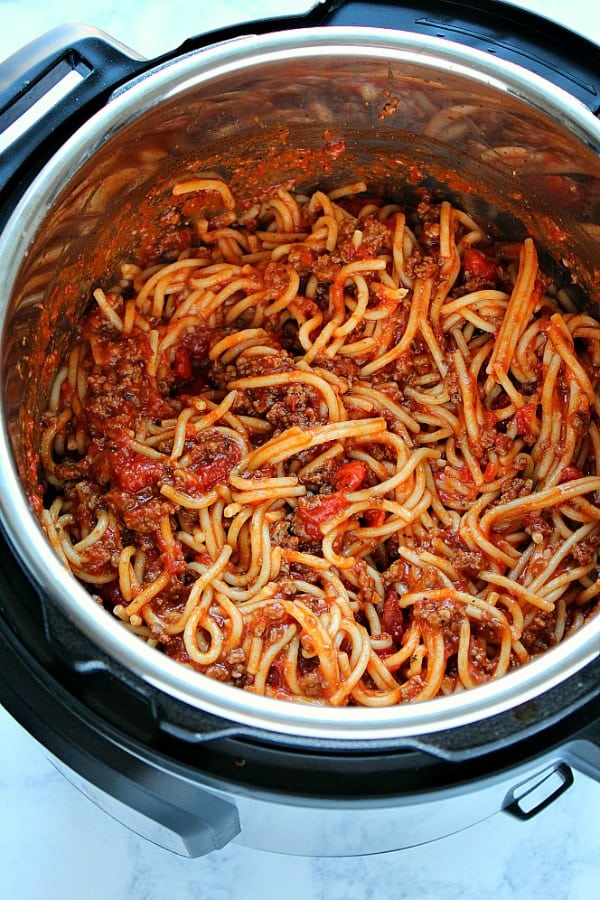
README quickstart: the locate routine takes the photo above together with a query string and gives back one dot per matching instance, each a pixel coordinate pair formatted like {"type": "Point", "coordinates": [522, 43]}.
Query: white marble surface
{"type": "Point", "coordinates": [55, 844]}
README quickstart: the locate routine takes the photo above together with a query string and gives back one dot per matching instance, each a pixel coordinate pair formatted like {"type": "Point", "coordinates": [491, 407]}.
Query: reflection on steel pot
{"type": "Point", "coordinates": [306, 109]}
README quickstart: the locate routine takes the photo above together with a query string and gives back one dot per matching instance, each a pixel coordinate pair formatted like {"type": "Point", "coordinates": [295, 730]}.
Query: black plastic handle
{"type": "Point", "coordinates": [100, 65]}
{"type": "Point", "coordinates": [538, 792]}
{"type": "Point", "coordinates": [96, 62]}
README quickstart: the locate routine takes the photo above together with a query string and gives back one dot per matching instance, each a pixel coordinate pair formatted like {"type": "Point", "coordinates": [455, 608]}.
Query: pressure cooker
{"type": "Point", "coordinates": [186, 761]}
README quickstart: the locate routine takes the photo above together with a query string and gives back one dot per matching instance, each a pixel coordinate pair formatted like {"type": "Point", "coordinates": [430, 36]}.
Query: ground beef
{"type": "Point", "coordinates": [585, 551]}
{"type": "Point", "coordinates": [281, 535]}
{"type": "Point", "coordinates": [375, 239]}
{"type": "Point", "coordinates": [284, 406]}
{"type": "Point", "coordinates": [469, 562]}
{"type": "Point", "coordinates": [342, 366]}
{"type": "Point", "coordinates": [141, 512]}
{"type": "Point", "coordinates": [540, 635]}
{"type": "Point", "coordinates": [513, 488]}
{"type": "Point", "coordinates": [123, 392]}
{"type": "Point", "coordinates": [445, 614]}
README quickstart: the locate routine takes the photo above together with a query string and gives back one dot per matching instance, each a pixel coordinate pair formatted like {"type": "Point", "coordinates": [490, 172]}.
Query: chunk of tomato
{"type": "Point", "coordinates": [479, 265]}
{"type": "Point", "coordinates": [314, 516]}
{"type": "Point", "coordinates": [350, 476]}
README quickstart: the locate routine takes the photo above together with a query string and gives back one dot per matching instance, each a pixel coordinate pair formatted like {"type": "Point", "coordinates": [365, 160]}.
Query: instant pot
{"type": "Point", "coordinates": [481, 103]}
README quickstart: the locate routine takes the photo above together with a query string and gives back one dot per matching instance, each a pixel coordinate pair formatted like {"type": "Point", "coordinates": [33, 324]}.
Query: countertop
{"type": "Point", "coordinates": [55, 844]}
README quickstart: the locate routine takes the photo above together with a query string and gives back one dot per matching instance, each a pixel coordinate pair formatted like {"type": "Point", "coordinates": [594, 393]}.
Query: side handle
{"type": "Point", "coordinates": [49, 87]}
{"type": "Point", "coordinates": [52, 85]}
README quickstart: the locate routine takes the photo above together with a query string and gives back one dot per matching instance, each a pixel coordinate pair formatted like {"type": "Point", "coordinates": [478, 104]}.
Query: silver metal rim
{"type": "Point", "coordinates": [23, 531]}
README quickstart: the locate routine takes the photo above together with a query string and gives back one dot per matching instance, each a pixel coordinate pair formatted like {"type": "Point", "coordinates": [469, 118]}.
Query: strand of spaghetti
{"type": "Point", "coordinates": [351, 629]}
{"type": "Point", "coordinates": [376, 698]}
{"type": "Point", "coordinates": [555, 589]}
{"type": "Point", "coordinates": [425, 557]}
{"type": "Point", "coordinates": [295, 439]}
{"type": "Point", "coordinates": [320, 640]}
{"type": "Point", "coordinates": [384, 402]}
{"type": "Point", "coordinates": [181, 267]}
{"type": "Point", "coordinates": [335, 408]}
{"type": "Point", "coordinates": [287, 214]}
{"type": "Point", "coordinates": [148, 451]}
{"type": "Point", "coordinates": [474, 531]}
{"type": "Point", "coordinates": [558, 332]}
{"type": "Point", "coordinates": [268, 657]}
{"type": "Point", "coordinates": [449, 518]}
{"type": "Point", "coordinates": [513, 587]}
{"type": "Point", "coordinates": [546, 499]}
{"type": "Point", "coordinates": [418, 313]}
{"type": "Point", "coordinates": [319, 460]}
{"type": "Point", "coordinates": [463, 656]}
{"type": "Point", "coordinates": [49, 521]}
{"type": "Point", "coordinates": [179, 436]}
{"type": "Point", "coordinates": [402, 474]}
{"type": "Point", "coordinates": [434, 347]}
{"type": "Point", "coordinates": [95, 534]}
{"type": "Point", "coordinates": [362, 299]}
{"type": "Point", "coordinates": [289, 666]}
{"type": "Point", "coordinates": [410, 641]}
{"type": "Point", "coordinates": [286, 296]}
{"type": "Point", "coordinates": [449, 269]}
{"type": "Point", "coordinates": [471, 413]}
{"type": "Point", "coordinates": [436, 663]}
{"type": "Point", "coordinates": [372, 535]}
{"type": "Point", "coordinates": [172, 334]}
{"type": "Point", "coordinates": [325, 232]}
{"type": "Point", "coordinates": [206, 576]}
{"type": "Point", "coordinates": [518, 312]}
{"type": "Point", "coordinates": [127, 578]}
{"type": "Point", "coordinates": [398, 250]}
{"type": "Point", "coordinates": [148, 592]}
{"type": "Point", "coordinates": [265, 565]}
{"type": "Point", "coordinates": [541, 450]}
{"type": "Point", "coordinates": [469, 458]}
{"type": "Point", "coordinates": [437, 396]}
{"type": "Point", "coordinates": [583, 510]}
{"type": "Point", "coordinates": [55, 428]}
{"type": "Point", "coordinates": [212, 185]}
{"type": "Point", "coordinates": [185, 500]}
{"type": "Point", "coordinates": [472, 300]}
{"type": "Point", "coordinates": [258, 495]}
{"type": "Point", "coordinates": [349, 271]}
{"type": "Point", "coordinates": [577, 411]}
{"type": "Point", "coordinates": [562, 552]}
{"type": "Point", "coordinates": [197, 619]}
{"type": "Point", "coordinates": [107, 310]}
{"type": "Point", "coordinates": [235, 339]}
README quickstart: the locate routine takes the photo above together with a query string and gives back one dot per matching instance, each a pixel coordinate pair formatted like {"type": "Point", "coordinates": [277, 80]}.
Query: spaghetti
{"type": "Point", "coordinates": [334, 451]}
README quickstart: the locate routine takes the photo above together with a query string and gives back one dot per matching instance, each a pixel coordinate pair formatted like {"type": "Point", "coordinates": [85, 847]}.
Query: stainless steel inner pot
{"type": "Point", "coordinates": [308, 108]}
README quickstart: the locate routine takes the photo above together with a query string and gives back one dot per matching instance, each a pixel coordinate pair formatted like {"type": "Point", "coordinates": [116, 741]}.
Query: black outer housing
{"type": "Point", "coordinates": [110, 726]}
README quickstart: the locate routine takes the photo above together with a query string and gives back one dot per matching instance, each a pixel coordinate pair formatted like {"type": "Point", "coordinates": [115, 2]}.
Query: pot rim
{"type": "Point", "coordinates": [25, 535]}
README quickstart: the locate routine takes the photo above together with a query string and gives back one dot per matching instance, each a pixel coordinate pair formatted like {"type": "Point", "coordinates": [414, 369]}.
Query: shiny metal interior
{"type": "Point", "coordinates": [274, 110]}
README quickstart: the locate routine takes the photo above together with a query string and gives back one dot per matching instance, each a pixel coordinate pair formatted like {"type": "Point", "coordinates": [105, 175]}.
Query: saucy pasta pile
{"type": "Point", "coordinates": [331, 450]}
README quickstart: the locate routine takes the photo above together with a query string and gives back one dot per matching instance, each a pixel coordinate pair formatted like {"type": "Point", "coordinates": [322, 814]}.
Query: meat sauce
{"type": "Point", "coordinates": [147, 449]}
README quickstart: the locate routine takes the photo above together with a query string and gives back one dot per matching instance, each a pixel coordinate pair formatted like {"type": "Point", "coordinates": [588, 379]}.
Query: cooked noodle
{"type": "Point", "coordinates": [335, 452]}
